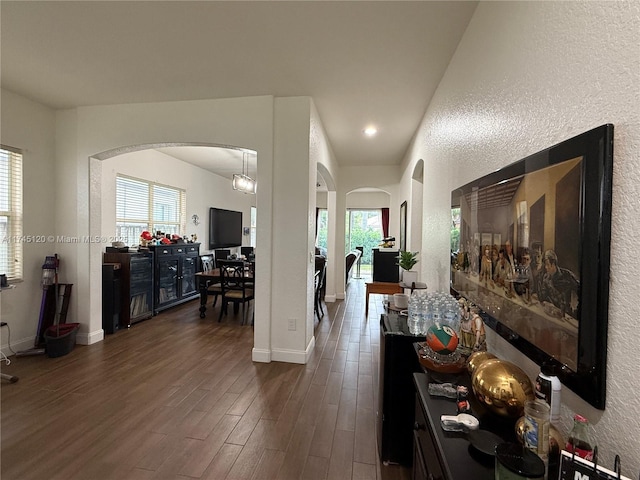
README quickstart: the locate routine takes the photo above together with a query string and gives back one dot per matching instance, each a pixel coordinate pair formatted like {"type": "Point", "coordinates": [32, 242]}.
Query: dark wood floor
{"type": "Point", "coordinates": [178, 397]}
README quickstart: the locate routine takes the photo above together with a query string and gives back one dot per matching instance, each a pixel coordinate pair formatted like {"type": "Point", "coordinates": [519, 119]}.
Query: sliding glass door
{"type": "Point", "coordinates": [363, 229]}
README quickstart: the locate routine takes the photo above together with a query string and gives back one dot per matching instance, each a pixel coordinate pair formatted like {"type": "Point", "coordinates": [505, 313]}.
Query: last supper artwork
{"type": "Point", "coordinates": [519, 255]}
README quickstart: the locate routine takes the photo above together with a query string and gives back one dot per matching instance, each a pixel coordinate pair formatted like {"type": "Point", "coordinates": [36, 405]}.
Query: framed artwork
{"type": "Point", "coordinates": [403, 226]}
{"type": "Point", "coordinates": [554, 207]}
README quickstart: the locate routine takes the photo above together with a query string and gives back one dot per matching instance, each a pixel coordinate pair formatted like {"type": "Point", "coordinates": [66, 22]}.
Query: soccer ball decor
{"type": "Point", "coordinates": [438, 352]}
{"type": "Point", "coordinates": [442, 339]}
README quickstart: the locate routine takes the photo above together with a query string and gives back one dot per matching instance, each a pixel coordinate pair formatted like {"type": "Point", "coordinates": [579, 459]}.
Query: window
{"type": "Point", "coordinates": [142, 205]}
{"type": "Point", "coordinates": [254, 218]}
{"type": "Point", "coordinates": [11, 213]}
{"type": "Point", "coordinates": [322, 228]}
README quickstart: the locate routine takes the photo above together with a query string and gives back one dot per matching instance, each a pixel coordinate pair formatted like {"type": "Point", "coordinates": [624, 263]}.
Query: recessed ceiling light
{"type": "Point", "coordinates": [370, 131]}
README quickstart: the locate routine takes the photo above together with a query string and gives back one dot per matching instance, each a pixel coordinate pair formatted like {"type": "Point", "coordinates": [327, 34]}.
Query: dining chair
{"type": "Point", "coordinates": [320, 275]}
{"type": "Point", "coordinates": [246, 251]}
{"type": "Point", "coordinates": [221, 254]}
{"type": "Point", "coordinates": [208, 264]}
{"type": "Point", "coordinates": [236, 286]}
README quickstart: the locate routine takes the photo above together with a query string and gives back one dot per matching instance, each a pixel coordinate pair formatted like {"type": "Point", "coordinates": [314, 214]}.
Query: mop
{"type": "Point", "coordinates": [49, 277]}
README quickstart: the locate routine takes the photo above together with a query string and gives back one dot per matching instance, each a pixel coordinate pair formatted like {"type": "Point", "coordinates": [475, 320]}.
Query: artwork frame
{"type": "Point", "coordinates": [403, 226]}
{"type": "Point", "coordinates": [554, 215]}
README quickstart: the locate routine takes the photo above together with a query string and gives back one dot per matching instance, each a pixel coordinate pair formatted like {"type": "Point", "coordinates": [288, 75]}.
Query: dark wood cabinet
{"type": "Point", "coordinates": [385, 265]}
{"type": "Point", "coordinates": [426, 463]}
{"type": "Point", "coordinates": [175, 268]}
{"type": "Point", "coordinates": [398, 362]}
{"type": "Point", "coordinates": [136, 285]}
{"type": "Point", "coordinates": [440, 455]}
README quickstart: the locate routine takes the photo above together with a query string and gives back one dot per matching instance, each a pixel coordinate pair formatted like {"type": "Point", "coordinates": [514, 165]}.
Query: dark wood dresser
{"type": "Point", "coordinates": [440, 455]}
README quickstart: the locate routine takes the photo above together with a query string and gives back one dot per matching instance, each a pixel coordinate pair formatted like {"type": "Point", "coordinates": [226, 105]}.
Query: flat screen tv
{"type": "Point", "coordinates": [225, 228]}
{"type": "Point", "coordinates": [534, 241]}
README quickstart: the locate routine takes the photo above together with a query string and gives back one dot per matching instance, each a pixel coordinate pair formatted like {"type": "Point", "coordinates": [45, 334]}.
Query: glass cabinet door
{"type": "Point", "coordinates": [167, 279]}
{"type": "Point", "coordinates": [189, 275]}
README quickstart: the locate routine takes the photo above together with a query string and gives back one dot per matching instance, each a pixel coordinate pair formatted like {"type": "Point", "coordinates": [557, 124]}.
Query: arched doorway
{"type": "Point", "coordinates": [364, 224]}
{"type": "Point", "coordinates": [201, 170]}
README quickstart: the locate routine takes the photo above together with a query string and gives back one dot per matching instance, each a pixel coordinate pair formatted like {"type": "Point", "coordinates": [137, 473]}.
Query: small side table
{"type": "Point", "coordinates": [392, 308]}
{"type": "Point", "coordinates": [384, 288]}
{"type": "Point", "coordinates": [414, 286]}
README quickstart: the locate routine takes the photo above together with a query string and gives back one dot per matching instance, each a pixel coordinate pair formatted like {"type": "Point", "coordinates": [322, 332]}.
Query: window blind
{"type": "Point", "coordinates": [11, 238]}
{"type": "Point", "coordinates": [143, 205]}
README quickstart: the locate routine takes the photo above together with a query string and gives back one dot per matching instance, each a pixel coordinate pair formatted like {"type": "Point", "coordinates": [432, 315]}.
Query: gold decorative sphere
{"type": "Point", "coordinates": [476, 359]}
{"type": "Point", "coordinates": [502, 387]}
{"type": "Point", "coordinates": [556, 440]}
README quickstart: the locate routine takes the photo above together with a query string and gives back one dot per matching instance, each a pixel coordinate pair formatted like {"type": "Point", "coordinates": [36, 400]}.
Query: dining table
{"type": "Point", "coordinates": [205, 279]}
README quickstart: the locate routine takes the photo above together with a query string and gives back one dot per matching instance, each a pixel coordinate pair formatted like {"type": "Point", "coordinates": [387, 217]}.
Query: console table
{"type": "Point", "coordinates": [389, 288]}
{"type": "Point", "coordinates": [383, 288]}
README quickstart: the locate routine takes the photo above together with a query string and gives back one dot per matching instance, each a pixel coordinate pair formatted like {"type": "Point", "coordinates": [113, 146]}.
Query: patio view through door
{"type": "Point", "coordinates": [363, 229]}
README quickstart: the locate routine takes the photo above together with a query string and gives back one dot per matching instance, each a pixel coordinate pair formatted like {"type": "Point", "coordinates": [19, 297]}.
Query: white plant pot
{"type": "Point", "coordinates": [409, 277]}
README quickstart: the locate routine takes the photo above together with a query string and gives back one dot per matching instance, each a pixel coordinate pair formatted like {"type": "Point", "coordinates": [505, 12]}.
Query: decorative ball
{"type": "Point", "coordinates": [442, 339]}
{"type": "Point", "coordinates": [476, 359]}
{"type": "Point", "coordinates": [502, 387]}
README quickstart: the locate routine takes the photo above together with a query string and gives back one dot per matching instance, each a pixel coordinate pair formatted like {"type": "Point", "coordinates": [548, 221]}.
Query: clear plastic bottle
{"type": "Point", "coordinates": [428, 312]}
{"type": "Point", "coordinates": [423, 313]}
{"type": "Point", "coordinates": [451, 314]}
{"type": "Point", "coordinates": [437, 312]}
{"type": "Point", "coordinates": [414, 320]}
{"type": "Point", "coordinates": [580, 438]}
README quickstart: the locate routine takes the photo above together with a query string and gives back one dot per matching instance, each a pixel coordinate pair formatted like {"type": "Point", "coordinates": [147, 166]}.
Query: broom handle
{"type": "Point", "coordinates": [56, 317]}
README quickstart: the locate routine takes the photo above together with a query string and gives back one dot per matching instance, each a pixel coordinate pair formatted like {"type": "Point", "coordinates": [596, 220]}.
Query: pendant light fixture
{"type": "Point", "coordinates": [242, 181]}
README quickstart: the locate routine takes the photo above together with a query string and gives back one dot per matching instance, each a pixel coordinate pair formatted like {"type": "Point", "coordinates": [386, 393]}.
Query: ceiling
{"type": "Point", "coordinates": [362, 62]}
{"type": "Point", "coordinates": [223, 161]}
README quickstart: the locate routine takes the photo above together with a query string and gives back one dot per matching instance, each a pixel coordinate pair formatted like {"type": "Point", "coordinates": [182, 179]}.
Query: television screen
{"type": "Point", "coordinates": [225, 228]}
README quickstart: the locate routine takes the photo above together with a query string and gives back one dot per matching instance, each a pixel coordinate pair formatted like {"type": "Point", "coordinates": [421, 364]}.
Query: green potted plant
{"type": "Point", "coordinates": [406, 261]}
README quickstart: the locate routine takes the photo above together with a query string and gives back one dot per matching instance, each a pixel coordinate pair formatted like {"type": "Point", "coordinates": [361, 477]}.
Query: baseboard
{"type": "Point", "coordinates": [294, 356]}
{"type": "Point", "coordinates": [90, 338]}
{"type": "Point", "coordinates": [19, 346]}
{"type": "Point", "coordinates": [261, 355]}
{"type": "Point", "coordinates": [329, 298]}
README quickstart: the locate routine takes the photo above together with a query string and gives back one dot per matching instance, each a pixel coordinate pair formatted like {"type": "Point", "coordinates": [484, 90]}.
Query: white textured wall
{"type": "Point", "coordinates": [324, 163]}
{"type": "Point", "coordinates": [30, 127]}
{"type": "Point", "coordinates": [366, 200]}
{"type": "Point", "coordinates": [526, 76]}
{"type": "Point", "coordinates": [292, 238]}
{"type": "Point", "coordinates": [203, 190]}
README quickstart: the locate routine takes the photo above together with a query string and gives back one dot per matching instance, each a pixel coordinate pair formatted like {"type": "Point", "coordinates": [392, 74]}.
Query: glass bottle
{"type": "Point", "coordinates": [580, 439]}
{"type": "Point", "coordinates": [536, 436]}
